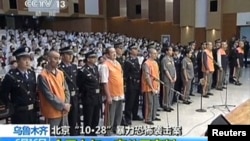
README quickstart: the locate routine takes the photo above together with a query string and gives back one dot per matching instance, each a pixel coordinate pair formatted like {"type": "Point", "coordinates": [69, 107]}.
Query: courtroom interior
{"type": "Point", "coordinates": [178, 31]}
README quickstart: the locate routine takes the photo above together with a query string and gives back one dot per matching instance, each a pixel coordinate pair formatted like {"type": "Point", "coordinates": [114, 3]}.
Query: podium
{"type": "Point", "coordinates": [240, 115]}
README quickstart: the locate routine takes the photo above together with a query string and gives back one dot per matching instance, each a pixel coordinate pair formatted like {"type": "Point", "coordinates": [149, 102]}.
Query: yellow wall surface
{"type": "Point", "coordinates": [214, 18]}
{"type": "Point", "coordinates": [212, 35]}
{"type": "Point", "coordinates": [235, 6]}
{"type": "Point", "coordinates": [187, 34]}
{"type": "Point", "coordinates": [187, 13]}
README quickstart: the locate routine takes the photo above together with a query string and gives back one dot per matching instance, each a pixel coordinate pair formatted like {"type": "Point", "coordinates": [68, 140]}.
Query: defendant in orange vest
{"type": "Point", "coordinates": [53, 93]}
{"type": "Point", "coordinates": [207, 68]}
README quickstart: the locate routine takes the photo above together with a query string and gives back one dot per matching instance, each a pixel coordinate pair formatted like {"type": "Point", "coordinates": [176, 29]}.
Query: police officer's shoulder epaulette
{"type": "Point", "coordinates": [128, 59]}
{"type": "Point", "coordinates": [31, 71]}
{"type": "Point", "coordinates": [12, 71]}
{"type": "Point", "coordinates": [82, 69]}
{"type": "Point", "coordinates": [74, 65]}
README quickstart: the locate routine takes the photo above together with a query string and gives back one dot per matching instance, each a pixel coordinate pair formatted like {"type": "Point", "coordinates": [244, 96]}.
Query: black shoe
{"type": "Point", "coordinates": [205, 96]}
{"type": "Point", "coordinates": [237, 83]}
{"type": "Point", "coordinates": [186, 102]}
{"type": "Point", "coordinates": [210, 93]}
{"type": "Point", "coordinates": [149, 122]}
{"type": "Point", "coordinates": [192, 94]}
{"type": "Point", "coordinates": [137, 118]}
{"type": "Point", "coordinates": [180, 98]}
{"type": "Point", "coordinates": [172, 109]}
{"type": "Point", "coordinates": [159, 109]}
{"type": "Point", "coordinates": [219, 89]}
{"type": "Point", "coordinates": [124, 123]}
{"type": "Point", "coordinates": [167, 110]}
{"type": "Point", "coordinates": [157, 114]}
{"type": "Point", "coordinates": [129, 123]}
{"type": "Point", "coordinates": [157, 119]}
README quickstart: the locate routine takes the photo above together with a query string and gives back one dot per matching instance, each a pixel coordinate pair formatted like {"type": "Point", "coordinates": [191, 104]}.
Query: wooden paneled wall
{"type": "Point", "coordinates": [156, 10]}
{"type": "Point", "coordinates": [113, 8]}
{"type": "Point", "coordinates": [223, 22]}
{"type": "Point", "coordinates": [199, 36]}
{"type": "Point", "coordinates": [187, 13]}
{"type": "Point", "coordinates": [176, 11]}
{"type": "Point", "coordinates": [234, 6]}
{"type": "Point", "coordinates": [1, 4]}
{"type": "Point", "coordinates": [229, 26]}
{"type": "Point", "coordinates": [131, 9]}
{"type": "Point", "coordinates": [76, 24]}
{"type": "Point", "coordinates": [144, 28]}
{"type": "Point", "coordinates": [214, 18]}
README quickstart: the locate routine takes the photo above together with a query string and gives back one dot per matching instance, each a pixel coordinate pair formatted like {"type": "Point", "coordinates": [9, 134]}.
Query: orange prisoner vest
{"type": "Point", "coordinates": [56, 86]}
{"type": "Point", "coordinates": [210, 61]}
{"type": "Point", "coordinates": [240, 50]}
{"type": "Point", "coordinates": [115, 80]}
{"type": "Point", "coordinates": [154, 71]}
{"type": "Point", "coordinates": [222, 51]}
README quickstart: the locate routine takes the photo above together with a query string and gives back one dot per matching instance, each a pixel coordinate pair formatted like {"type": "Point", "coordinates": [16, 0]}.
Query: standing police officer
{"type": "Point", "coordinates": [119, 53]}
{"type": "Point", "coordinates": [169, 78]}
{"type": "Point", "coordinates": [199, 66]}
{"type": "Point", "coordinates": [19, 89]}
{"type": "Point", "coordinates": [88, 81]}
{"type": "Point", "coordinates": [70, 72]}
{"type": "Point", "coordinates": [133, 89]}
{"type": "Point", "coordinates": [177, 62]}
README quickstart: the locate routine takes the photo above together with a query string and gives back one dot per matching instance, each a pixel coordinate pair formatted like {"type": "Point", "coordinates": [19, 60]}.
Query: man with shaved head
{"type": "Point", "coordinates": [150, 86]}
{"type": "Point", "coordinates": [53, 93]}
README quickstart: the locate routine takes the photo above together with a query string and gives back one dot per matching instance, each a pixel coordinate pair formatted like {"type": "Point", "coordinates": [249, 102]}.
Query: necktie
{"type": "Point", "coordinates": [25, 76]}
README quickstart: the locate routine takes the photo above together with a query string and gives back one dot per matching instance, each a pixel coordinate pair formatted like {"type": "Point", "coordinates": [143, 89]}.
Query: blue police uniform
{"type": "Point", "coordinates": [132, 70]}
{"type": "Point", "coordinates": [70, 72]}
{"type": "Point", "coordinates": [88, 81]}
{"type": "Point", "coordinates": [19, 91]}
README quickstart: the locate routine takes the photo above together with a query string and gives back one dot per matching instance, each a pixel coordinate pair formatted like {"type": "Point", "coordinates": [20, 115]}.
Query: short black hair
{"type": "Point", "coordinates": [107, 50]}
{"type": "Point", "coordinates": [187, 50]}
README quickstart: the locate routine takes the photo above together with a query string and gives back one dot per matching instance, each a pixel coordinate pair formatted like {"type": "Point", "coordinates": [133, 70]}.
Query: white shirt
{"type": "Point", "coordinates": [104, 77]}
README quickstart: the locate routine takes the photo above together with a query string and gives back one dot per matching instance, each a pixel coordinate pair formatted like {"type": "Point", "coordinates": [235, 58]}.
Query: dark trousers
{"type": "Point", "coordinates": [215, 74]}
{"type": "Point", "coordinates": [161, 95]}
{"type": "Point", "coordinates": [73, 116]}
{"type": "Point", "coordinates": [91, 115]}
{"type": "Point", "coordinates": [178, 86]}
{"type": "Point", "coordinates": [200, 76]}
{"type": "Point", "coordinates": [231, 71]}
{"type": "Point", "coordinates": [24, 116]}
{"type": "Point", "coordinates": [245, 58]}
{"type": "Point", "coordinates": [131, 101]}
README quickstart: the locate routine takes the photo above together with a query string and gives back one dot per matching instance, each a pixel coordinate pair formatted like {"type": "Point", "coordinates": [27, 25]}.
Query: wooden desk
{"type": "Point", "coordinates": [240, 115]}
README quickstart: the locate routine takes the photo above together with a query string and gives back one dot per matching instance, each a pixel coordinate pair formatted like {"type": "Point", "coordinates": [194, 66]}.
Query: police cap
{"type": "Point", "coordinates": [176, 49]}
{"type": "Point", "coordinates": [218, 41]}
{"type": "Point", "coordinates": [133, 46]}
{"type": "Point", "coordinates": [67, 49]}
{"type": "Point", "coordinates": [22, 51]}
{"type": "Point", "coordinates": [118, 45]}
{"type": "Point", "coordinates": [151, 45]}
{"type": "Point", "coordinates": [91, 54]}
